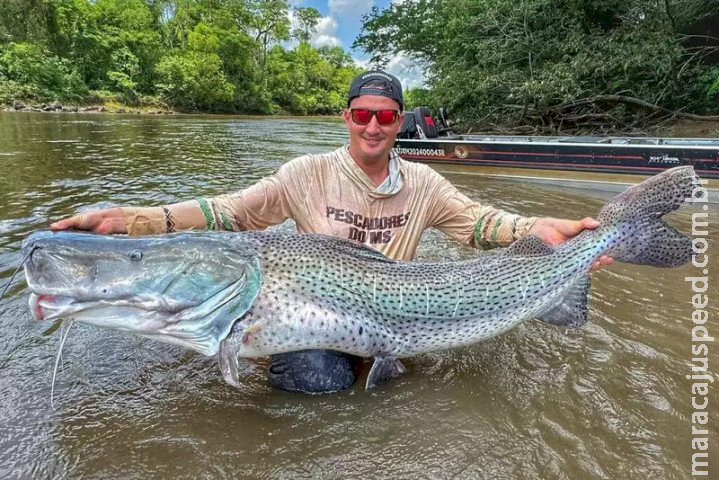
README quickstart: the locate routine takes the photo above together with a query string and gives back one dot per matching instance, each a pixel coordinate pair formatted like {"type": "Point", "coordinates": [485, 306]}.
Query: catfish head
{"type": "Point", "coordinates": [186, 288]}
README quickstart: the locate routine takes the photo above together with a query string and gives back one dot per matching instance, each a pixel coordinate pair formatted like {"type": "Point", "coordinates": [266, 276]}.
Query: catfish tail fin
{"type": "Point", "coordinates": [643, 237]}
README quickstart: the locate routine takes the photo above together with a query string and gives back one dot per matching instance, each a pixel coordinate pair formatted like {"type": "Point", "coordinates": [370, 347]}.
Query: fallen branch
{"type": "Point", "coordinates": [636, 102]}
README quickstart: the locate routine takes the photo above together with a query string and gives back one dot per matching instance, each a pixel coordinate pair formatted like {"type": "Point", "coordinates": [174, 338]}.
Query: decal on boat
{"type": "Point", "coordinates": [431, 152]}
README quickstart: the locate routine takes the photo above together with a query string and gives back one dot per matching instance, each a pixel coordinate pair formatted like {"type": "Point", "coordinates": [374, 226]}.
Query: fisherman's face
{"type": "Point", "coordinates": [372, 142]}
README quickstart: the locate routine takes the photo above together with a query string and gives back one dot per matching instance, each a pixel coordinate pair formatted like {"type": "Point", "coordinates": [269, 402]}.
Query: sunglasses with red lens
{"type": "Point", "coordinates": [362, 116]}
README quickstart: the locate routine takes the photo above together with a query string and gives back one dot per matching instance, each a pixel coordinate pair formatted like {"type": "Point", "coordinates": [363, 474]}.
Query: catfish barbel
{"type": "Point", "coordinates": [254, 294]}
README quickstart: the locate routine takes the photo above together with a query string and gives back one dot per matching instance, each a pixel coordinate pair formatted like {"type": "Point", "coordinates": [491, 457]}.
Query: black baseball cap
{"type": "Point", "coordinates": [392, 87]}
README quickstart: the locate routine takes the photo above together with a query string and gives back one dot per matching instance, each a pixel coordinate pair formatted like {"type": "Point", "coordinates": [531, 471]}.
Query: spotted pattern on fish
{"type": "Point", "coordinates": [253, 294]}
{"type": "Point", "coordinates": [356, 301]}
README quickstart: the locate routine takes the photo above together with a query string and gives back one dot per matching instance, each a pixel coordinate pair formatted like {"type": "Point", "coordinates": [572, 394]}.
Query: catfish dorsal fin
{"type": "Point", "coordinates": [572, 312]}
{"type": "Point", "coordinates": [530, 245]}
{"type": "Point", "coordinates": [362, 250]}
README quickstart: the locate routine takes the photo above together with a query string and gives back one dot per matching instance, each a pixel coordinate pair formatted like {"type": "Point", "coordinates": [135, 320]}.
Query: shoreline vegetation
{"type": "Point", "coordinates": [523, 67]}
{"type": "Point", "coordinates": [556, 67]}
{"type": "Point", "coordinates": [226, 56]}
{"type": "Point", "coordinates": [150, 108]}
{"type": "Point", "coordinates": [90, 107]}
{"type": "Point", "coordinates": [676, 127]}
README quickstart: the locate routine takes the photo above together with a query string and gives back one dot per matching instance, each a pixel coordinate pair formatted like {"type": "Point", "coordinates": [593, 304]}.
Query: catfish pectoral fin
{"type": "Point", "coordinates": [384, 368]}
{"type": "Point", "coordinates": [231, 365]}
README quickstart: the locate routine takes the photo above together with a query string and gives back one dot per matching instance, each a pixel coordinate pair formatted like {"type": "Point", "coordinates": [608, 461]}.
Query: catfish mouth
{"type": "Point", "coordinates": [200, 327]}
{"type": "Point", "coordinates": [51, 307]}
{"type": "Point", "coordinates": [47, 307]}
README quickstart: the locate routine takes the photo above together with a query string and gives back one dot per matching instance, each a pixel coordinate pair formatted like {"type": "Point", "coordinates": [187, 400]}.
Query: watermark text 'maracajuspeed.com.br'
{"type": "Point", "coordinates": [701, 377]}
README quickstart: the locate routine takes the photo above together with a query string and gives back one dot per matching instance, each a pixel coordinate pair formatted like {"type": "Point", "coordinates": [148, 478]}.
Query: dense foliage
{"type": "Point", "coordinates": [207, 55]}
{"type": "Point", "coordinates": [551, 65]}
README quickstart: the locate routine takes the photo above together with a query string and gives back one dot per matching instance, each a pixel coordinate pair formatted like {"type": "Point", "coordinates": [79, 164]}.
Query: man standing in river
{"type": "Point", "coordinates": [362, 191]}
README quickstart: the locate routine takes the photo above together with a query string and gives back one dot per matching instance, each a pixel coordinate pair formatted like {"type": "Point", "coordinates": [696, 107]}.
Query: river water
{"type": "Point", "coordinates": [609, 400]}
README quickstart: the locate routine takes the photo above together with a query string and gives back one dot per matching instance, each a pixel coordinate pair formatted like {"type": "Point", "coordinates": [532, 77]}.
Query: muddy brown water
{"type": "Point", "coordinates": [609, 400]}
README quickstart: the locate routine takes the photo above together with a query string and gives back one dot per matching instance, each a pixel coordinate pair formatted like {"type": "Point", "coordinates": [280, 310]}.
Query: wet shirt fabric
{"type": "Point", "coordinates": [328, 193]}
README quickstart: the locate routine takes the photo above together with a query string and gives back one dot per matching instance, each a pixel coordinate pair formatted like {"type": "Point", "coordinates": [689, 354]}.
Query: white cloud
{"type": "Point", "coordinates": [349, 9]}
{"type": "Point", "coordinates": [293, 20]}
{"type": "Point", "coordinates": [326, 33]}
{"type": "Point", "coordinates": [409, 72]}
{"type": "Point", "coordinates": [362, 63]}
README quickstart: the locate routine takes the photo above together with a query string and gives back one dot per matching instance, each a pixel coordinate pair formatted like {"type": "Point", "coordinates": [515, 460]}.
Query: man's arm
{"type": "Point", "coordinates": [483, 226]}
{"type": "Point", "coordinates": [256, 207]}
{"type": "Point", "coordinates": [245, 210]}
{"type": "Point", "coordinates": [268, 202]}
{"type": "Point", "coordinates": [455, 214]}
{"type": "Point", "coordinates": [137, 220]}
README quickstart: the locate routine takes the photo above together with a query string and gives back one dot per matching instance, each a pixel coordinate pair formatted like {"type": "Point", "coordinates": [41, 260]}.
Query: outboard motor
{"type": "Point", "coordinates": [409, 126]}
{"type": "Point", "coordinates": [442, 119]}
{"type": "Point", "coordinates": [425, 122]}
{"type": "Point", "coordinates": [418, 123]}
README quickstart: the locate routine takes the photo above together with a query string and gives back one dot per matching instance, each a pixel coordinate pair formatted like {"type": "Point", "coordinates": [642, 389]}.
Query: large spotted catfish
{"type": "Point", "coordinates": [254, 294]}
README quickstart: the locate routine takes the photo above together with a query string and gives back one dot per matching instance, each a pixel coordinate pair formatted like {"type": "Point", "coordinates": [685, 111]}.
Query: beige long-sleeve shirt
{"type": "Point", "coordinates": [330, 194]}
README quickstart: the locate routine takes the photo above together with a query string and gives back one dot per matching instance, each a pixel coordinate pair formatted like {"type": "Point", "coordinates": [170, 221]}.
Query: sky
{"type": "Point", "coordinates": [341, 23]}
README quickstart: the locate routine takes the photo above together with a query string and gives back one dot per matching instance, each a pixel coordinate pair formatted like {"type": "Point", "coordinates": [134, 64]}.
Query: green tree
{"type": "Point", "coordinates": [308, 18]}
{"type": "Point", "coordinates": [194, 81]}
{"type": "Point", "coordinates": [713, 89]}
{"type": "Point", "coordinates": [26, 20]}
{"type": "Point", "coordinates": [195, 54]}
{"type": "Point", "coordinates": [268, 20]}
{"type": "Point", "coordinates": [36, 73]}
{"type": "Point", "coordinates": [237, 53]}
{"type": "Point", "coordinates": [548, 64]}
{"type": "Point", "coordinates": [301, 81]}
{"type": "Point", "coordinates": [420, 97]}
{"type": "Point", "coordinates": [118, 46]}
{"type": "Point", "coordinates": [336, 56]}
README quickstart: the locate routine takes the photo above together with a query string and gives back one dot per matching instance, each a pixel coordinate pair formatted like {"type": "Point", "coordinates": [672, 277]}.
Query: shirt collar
{"type": "Point", "coordinates": [394, 181]}
{"type": "Point", "coordinates": [390, 186]}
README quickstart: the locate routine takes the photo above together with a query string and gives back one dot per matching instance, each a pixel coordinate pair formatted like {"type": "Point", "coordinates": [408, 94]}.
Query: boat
{"type": "Point", "coordinates": [608, 163]}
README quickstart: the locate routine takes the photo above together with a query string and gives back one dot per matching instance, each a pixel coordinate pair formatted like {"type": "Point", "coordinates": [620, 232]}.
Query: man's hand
{"type": "Point", "coordinates": [105, 221]}
{"type": "Point", "coordinates": [555, 231]}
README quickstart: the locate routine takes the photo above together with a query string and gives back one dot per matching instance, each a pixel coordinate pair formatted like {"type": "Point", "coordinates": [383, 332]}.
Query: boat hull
{"type": "Point", "coordinates": [626, 156]}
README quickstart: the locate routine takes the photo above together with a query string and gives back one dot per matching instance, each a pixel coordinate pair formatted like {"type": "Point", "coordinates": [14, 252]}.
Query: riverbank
{"type": "Point", "coordinates": [687, 129]}
{"type": "Point", "coordinates": [104, 107]}
{"type": "Point", "coordinates": [681, 128]}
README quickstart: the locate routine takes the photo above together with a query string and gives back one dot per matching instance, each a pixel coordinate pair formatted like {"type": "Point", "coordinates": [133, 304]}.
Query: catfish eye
{"type": "Point", "coordinates": [135, 256]}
